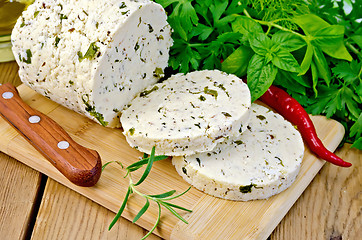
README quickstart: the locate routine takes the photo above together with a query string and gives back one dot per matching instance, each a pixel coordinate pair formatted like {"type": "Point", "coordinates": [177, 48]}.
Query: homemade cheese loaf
{"type": "Point", "coordinates": [188, 113]}
{"type": "Point", "coordinates": [257, 164]}
{"type": "Point", "coordinates": [92, 56]}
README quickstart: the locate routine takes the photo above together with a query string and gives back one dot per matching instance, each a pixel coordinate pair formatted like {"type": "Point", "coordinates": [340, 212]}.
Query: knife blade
{"type": "Point", "coordinates": [81, 165]}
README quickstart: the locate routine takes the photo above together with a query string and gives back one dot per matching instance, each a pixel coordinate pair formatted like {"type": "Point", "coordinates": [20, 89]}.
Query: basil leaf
{"type": "Point", "coordinates": [260, 76]}
{"type": "Point", "coordinates": [261, 44]}
{"type": "Point", "coordinates": [285, 60]}
{"type": "Point", "coordinates": [237, 62]}
{"type": "Point", "coordinates": [246, 26]}
{"type": "Point", "coordinates": [288, 41]}
{"type": "Point", "coordinates": [307, 59]}
{"type": "Point", "coordinates": [287, 79]}
{"type": "Point", "coordinates": [322, 65]}
{"type": "Point", "coordinates": [310, 23]}
{"type": "Point", "coordinates": [331, 41]}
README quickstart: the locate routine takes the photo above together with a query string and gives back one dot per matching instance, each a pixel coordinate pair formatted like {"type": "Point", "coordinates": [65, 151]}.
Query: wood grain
{"type": "Point", "coordinates": [18, 193]}
{"type": "Point", "coordinates": [82, 166]}
{"type": "Point", "coordinates": [331, 208]}
{"type": "Point", "coordinates": [19, 184]}
{"type": "Point", "coordinates": [256, 219]}
{"type": "Point", "coordinates": [9, 73]}
{"type": "Point", "coordinates": [65, 214]}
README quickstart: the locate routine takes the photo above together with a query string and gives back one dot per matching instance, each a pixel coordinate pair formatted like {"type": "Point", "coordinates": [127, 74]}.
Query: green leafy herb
{"type": "Point", "coordinates": [146, 92]}
{"type": "Point", "coordinates": [161, 199]}
{"type": "Point", "coordinates": [57, 39]}
{"type": "Point", "coordinates": [311, 48]}
{"type": "Point", "coordinates": [92, 111]}
{"type": "Point", "coordinates": [247, 188]}
{"type": "Point", "coordinates": [63, 16]}
{"type": "Point", "coordinates": [28, 57]}
{"type": "Point", "coordinates": [22, 22]}
{"type": "Point", "coordinates": [226, 114]}
{"type": "Point", "coordinates": [210, 92]}
{"type": "Point", "coordinates": [123, 5]}
{"type": "Point", "coordinates": [90, 54]}
{"type": "Point", "coordinates": [131, 131]}
{"type": "Point", "coordinates": [158, 72]}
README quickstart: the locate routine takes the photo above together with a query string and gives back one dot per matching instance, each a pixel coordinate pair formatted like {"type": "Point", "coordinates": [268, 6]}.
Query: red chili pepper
{"type": "Point", "coordinates": [291, 110]}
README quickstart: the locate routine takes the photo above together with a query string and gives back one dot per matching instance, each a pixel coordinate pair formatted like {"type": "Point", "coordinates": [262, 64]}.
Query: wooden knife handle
{"type": "Point", "coordinates": [82, 166]}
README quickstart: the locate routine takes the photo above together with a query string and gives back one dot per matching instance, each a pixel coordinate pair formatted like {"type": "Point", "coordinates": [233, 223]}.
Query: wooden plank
{"type": "Point", "coordinates": [331, 207]}
{"type": "Point", "coordinates": [111, 189]}
{"type": "Point", "coordinates": [18, 192]}
{"type": "Point", "coordinates": [65, 214]}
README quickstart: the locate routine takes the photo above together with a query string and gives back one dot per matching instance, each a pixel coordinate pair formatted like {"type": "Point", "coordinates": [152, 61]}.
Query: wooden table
{"type": "Point", "coordinates": [34, 206]}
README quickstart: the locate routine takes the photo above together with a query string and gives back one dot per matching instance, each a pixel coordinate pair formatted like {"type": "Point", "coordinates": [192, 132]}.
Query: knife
{"type": "Point", "coordinates": [82, 166]}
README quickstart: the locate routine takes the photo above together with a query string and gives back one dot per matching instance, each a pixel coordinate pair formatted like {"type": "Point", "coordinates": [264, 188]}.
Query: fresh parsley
{"type": "Point", "coordinates": [161, 199]}
{"type": "Point", "coordinates": [310, 48]}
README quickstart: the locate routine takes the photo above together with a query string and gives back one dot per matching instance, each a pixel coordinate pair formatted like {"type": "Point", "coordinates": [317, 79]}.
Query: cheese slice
{"type": "Point", "coordinates": [187, 113]}
{"type": "Point", "coordinates": [257, 164]}
{"type": "Point", "coordinates": [92, 56]}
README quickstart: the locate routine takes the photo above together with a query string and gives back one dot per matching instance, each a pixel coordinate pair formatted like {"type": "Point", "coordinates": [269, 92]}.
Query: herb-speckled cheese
{"type": "Point", "coordinates": [92, 56]}
{"type": "Point", "coordinates": [257, 164]}
{"type": "Point", "coordinates": [187, 113]}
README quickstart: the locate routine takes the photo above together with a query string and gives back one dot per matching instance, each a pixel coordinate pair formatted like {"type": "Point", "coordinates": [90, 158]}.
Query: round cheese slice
{"type": "Point", "coordinates": [92, 56]}
{"type": "Point", "coordinates": [187, 113]}
{"type": "Point", "coordinates": [257, 164]}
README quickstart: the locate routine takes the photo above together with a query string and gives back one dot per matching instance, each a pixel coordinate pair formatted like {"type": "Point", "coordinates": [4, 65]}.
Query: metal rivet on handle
{"type": "Point", "coordinates": [7, 95]}
{"type": "Point", "coordinates": [63, 145]}
{"type": "Point", "coordinates": [34, 119]}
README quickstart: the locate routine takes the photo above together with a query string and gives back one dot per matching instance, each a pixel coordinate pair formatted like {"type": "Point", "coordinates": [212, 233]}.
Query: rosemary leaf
{"type": "Point", "coordinates": [148, 168]}
{"type": "Point", "coordinates": [156, 223]}
{"type": "Point", "coordinates": [158, 198]}
{"type": "Point", "coordinates": [177, 206]}
{"type": "Point", "coordinates": [174, 212]}
{"type": "Point", "coordinates": [163, 195]}
{"type": "Point", "coordinates": [106, 164]}
{"type": "Point", "coordinates": [176, 196]}
{"type": "Point", "coordinates": [120, 211]}
{"type": "Point", "coordinates": [135, 166]}
{"type": "Point", "coordinates": [142, 211]}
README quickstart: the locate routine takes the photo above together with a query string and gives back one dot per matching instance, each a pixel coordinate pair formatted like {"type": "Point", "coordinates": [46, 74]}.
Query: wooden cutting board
{"type": "Point", "coordinates": [212, 218]}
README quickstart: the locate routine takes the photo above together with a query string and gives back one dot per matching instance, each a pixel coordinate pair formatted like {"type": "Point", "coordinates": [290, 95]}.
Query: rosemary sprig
{"type": "Point", "coordinates": [161, 199]}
